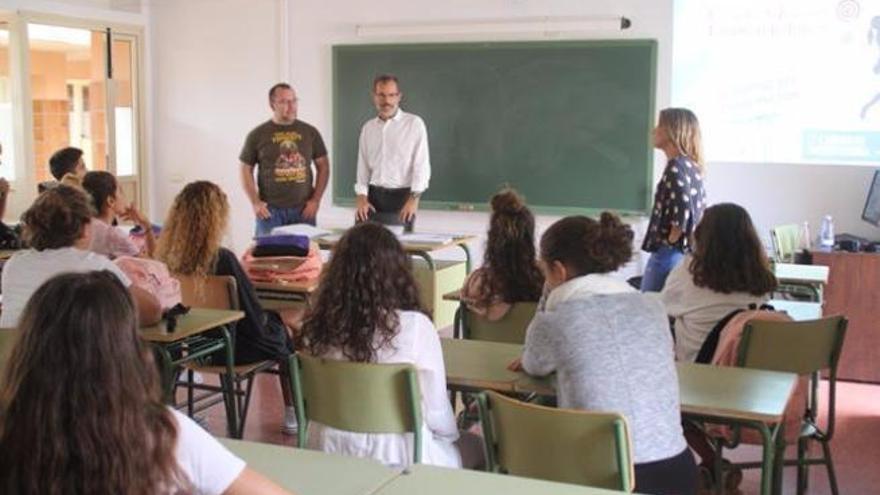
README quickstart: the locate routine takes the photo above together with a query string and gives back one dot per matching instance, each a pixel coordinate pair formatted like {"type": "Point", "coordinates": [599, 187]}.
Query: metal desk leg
{"type": "Point", "coordinates": [768, 468]}
{"type": "Point", "coordinates": [166, 372]}
{"type": "Point", "coordinates": [468, 262]}
{"type": "Point", "coordinates": [427, 257]}
{"type": "Point", "coordinates": [778, 459]}
{"type": "Point", "coordinates": [228, 383]}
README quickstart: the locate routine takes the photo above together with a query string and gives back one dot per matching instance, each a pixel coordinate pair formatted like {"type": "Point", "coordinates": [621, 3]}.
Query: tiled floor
{"type": "Point", "coordinates": [856, 444]}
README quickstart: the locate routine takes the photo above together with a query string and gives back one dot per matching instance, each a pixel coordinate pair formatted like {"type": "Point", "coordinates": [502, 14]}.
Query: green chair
{"type": "Point", "coordinates": [357, 397]}
{"type": "Point", "coordinates": [218, 292]}
{"type": "Point", "coordinates": [510, 329]}
{"type": "Point", "coordinates": [786, 239]}
{"type": "Point", "coordinates": [805, 348]}
{"type": "Point", "coordinates": [580, 447]}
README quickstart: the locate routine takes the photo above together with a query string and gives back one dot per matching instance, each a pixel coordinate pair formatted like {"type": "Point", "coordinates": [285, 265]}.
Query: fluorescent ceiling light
{"type": "Point", "coordinates": [540, 25]}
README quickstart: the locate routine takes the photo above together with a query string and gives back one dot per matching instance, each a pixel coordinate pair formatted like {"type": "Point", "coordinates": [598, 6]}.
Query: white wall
{"type": "Point", "coordinates": [213, 62]}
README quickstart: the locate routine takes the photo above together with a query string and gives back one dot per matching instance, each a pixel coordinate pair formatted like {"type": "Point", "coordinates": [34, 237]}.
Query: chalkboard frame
{"type": "Point", "coordinates": [343, 194]}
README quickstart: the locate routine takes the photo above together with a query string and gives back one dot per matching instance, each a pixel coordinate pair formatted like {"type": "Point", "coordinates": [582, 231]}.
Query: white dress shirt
{"type": "Point", "coordinates": [393, 154]}
{"type": "Point", "coordinates": [418, 343]}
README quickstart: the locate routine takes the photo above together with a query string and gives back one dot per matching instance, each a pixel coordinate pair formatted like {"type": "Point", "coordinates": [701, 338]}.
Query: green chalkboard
{"type": "Point", "coordinates": [567, 123]}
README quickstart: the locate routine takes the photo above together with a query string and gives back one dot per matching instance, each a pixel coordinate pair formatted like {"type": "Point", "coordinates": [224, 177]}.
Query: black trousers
{"type": "Point", "coordinates": [676, 475]}
{"type": "Point", "coordinates": [388, 203]}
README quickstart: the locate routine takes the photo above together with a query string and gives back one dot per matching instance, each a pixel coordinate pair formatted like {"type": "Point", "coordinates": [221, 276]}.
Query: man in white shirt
{"type": "Point", "coordinates": [393, 166]}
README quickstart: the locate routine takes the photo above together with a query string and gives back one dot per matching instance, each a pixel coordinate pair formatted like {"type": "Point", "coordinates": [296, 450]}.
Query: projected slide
{"type": "Point", "coordinates": [784, 81]}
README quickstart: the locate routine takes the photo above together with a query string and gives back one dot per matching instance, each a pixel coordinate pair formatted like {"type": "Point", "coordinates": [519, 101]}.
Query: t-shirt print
{"type": "Point", "coordinates": [290, 165]}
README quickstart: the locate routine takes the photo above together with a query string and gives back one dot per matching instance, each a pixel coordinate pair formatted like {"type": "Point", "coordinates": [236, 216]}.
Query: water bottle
{"type": "Point", "coordinates": [826, 235]}
{"type": "Point", "coordinates": [804, 240]}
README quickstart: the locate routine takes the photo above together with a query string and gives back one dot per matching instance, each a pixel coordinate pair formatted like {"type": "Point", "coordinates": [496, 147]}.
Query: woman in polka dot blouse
{"type": "Point", "coordinates": [680, 196]}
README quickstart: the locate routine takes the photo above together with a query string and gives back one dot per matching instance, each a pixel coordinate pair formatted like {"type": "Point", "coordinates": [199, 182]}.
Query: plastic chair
{"type": "Point", "coordinates": [218, 292]}
{"type": "Point", "coordinates": [569, 446]}
{"type": "Point", "coordinates": [805, 348]}
{"type": "Point", "coordinates": [357, 397]}
{"type": "Point", "coordinates": [510, 329]}
{"type": "Point", "coordinates": [786, 239]}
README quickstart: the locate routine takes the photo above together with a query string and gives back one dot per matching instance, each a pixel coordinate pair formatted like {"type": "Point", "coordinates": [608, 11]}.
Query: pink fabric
{"type": "Point", "coordinates": [281, 269]}
{"type": "Point", "coordinates": [111, 241]}
{"type": "Point", "coordinates": [153, 277]}
{"type": "Point", "coordinates": [726, 355]}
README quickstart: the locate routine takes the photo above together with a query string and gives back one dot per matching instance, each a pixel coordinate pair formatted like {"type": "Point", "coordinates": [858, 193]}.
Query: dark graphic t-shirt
{"type": "Point", "coordinates": [283, 155]}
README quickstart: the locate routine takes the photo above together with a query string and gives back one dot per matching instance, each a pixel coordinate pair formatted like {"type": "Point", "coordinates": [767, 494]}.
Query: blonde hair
{"type": "Point", "coordinates": [196, 222]}
{"type": "Point", "coordinates": [683, 130]}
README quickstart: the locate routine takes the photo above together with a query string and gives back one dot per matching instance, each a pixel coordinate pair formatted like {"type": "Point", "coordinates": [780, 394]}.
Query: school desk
{"type": "Point", "coordinates": [423, 479]}
{"type": "Point", "coordinates": [798, 310]}
{"type": "Point", "coordinates": [716, 394]}
{"type": "Point", "coordinates": [310, 472]}
{"type": "Point", "coordinates": [420, 249]}
{"type": "Point", "coordinates": [814, 277]}
{"type": "Point", "coordinates": [188, 342]}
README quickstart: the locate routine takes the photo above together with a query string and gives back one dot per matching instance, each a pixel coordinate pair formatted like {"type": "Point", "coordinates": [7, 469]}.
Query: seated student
{"type": "Point", "coordinates": [190, 245]}
{"type": "Point", "coordinates": [367, 310]}
{"type": "Point", "coordinates": [510, 271]}
{"type": "Point", "coordinates": [80, 330]}
{"type": "Point", "coordinates": [610, 347]}
{"type": "Point", "coordinates": [57, 228]}
{"type": "Point", "coordinates": [728, 270]}
{"type": "Point", "coordinates": [109, 201]}
{"type": "Point", "coordinates": [63, 162]}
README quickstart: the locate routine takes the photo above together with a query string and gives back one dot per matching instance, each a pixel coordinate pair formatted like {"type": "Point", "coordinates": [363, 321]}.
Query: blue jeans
{"type": "Point", "coordinates": [279, 217]}
{"type": "Point", "coordinates": [661, 262]}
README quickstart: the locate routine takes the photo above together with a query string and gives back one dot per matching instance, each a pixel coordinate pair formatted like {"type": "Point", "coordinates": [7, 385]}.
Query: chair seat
{"type": "Point", "coordinates": [240, 370]}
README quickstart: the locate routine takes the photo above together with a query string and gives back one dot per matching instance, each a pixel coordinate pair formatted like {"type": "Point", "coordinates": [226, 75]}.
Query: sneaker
{"type": "Point", "coordinates": [290, 426]}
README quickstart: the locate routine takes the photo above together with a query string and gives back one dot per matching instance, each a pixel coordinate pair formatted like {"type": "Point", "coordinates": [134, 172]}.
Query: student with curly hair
{"type": "Point", "coordinates": [82, 410]}
{"type": "Point", "coordinates": [191, 245]}
{"type": "Point", "coordinates": [367, 310]}
{"type": "Point", "coordinates": [510, 270]}
{"type": "Point", "coordinates": [58, 229]}
{"type": "Point", "coordinates": [610, 347]}
{"type": "Point", "coordinates": [728, 270]}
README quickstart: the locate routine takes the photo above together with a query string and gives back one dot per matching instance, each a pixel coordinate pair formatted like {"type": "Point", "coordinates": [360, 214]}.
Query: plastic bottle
{"type": "Point", "coordinates": [804, 241]}
{"type": "Point", "coordinates": [826, 235]}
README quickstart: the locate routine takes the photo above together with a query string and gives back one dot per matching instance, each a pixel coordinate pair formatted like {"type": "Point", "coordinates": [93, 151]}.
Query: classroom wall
{"type": "Point", "coordinates": [213, 62]}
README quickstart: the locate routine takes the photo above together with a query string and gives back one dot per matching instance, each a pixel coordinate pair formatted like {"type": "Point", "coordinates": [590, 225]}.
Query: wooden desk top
{"type": "Point", "coordinates": [5, 254]}
{"type": "Point", "coordinates": [310, 472]}
{"type": "Point", "coordinates": [198, 320]}
{"type": "Point", "coordinates": [432, 480]}
{"type": "Point", "coordinates": [452, 296]}
{"type": "Point", "coordinates": [481, 365]}
{"type": "Point", "coordinates": [734, 393]}
{"type": "Point", "coordinates": [306, 287]}
{"type": "Point", "coordinates": [809, 274]}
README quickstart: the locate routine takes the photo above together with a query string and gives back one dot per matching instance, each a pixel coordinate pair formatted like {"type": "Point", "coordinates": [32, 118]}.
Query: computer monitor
{"type": "Point", "coordinates": [871, 213]}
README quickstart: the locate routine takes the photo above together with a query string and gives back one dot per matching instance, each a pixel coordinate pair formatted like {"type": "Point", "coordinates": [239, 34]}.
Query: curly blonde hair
{"type": "Point", "coordinates": [193, 229]}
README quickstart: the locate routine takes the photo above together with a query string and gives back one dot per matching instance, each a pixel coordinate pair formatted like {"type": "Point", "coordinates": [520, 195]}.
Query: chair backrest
{"type": "Point", "coordinates": [581, 447]}
{"type": "Point", "coordinates": [510, 329]}
{"type": "Point", "coordinates": [786, 239]}
{"type": "Point", "coordinates": [358, 397]}
{"type": "Point", "coordinates": [801, 347]}
{"type": "Point", "coordinates": [212, 291]}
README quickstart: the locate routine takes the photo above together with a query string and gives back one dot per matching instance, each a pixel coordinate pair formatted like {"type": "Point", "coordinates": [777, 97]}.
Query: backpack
{"type": "Point", "coordinates": [152, 276]}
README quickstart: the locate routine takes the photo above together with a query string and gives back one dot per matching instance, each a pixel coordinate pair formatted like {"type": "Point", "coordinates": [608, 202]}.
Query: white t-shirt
{"type": "Point", "coordinates": [698, 309]}
{"type": "Point", "coordinates": [208, 465]}
{"type": "Point", "coordinates": [27, 270]}
{"type": "Point", "coordinates": [417, 343]}
{"type": "Point", "coordinates": [111, 241]}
